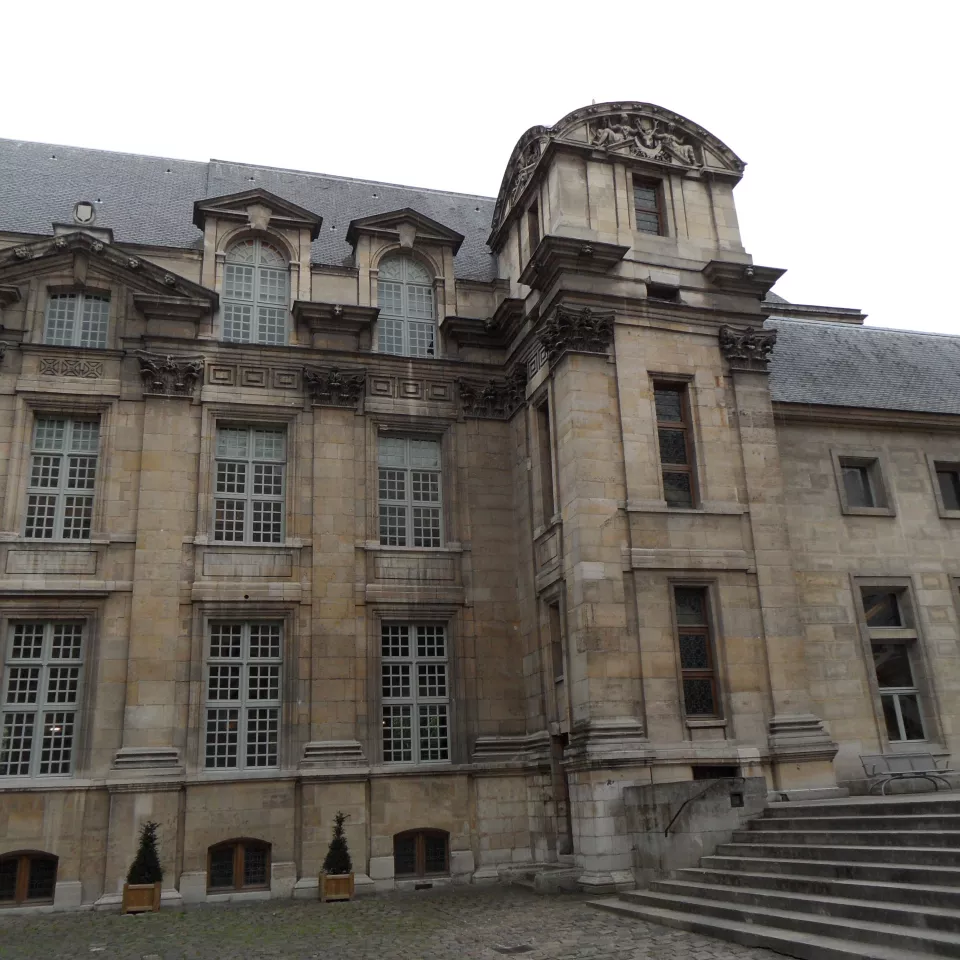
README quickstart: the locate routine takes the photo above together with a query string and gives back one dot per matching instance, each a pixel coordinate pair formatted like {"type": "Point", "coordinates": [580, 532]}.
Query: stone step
{"type": "Point", "coordinates": [843, 908]}
{"type": "Point", "coordinates": [827, 886]}
{"type": "Point", "coordinates": [867, 806]}
{"type": "Point", "coordinates": [762, 833]}
{"type": "Point", "coordinates": [805, 946]}
{"type": "Point", "coordinates": [910, 821]}
{"type": "Point", "coordinates": [879, 872]}
{"type": "Point", "coordinates": [931, 942]}
{"type": "Point", "coordinates": [926, 856]}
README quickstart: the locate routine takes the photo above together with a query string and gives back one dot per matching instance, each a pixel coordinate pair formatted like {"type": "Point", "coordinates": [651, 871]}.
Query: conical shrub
{"type": "Point", "coordinates": [337, 859]}
{"type": "Point", "coordinates": [146, 864]}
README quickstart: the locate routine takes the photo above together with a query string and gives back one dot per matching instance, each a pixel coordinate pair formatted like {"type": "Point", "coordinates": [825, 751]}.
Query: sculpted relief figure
{"type": "Point", "coordinates": [608, 133]}
{"type": "Point", "coordinates": [643, 138]}
{"type": "Point", "coordinates": [525, 164]}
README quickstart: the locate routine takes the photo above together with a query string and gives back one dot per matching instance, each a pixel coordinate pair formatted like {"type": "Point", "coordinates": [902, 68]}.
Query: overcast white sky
{"type": "Point", "coordinates": [845, 112]}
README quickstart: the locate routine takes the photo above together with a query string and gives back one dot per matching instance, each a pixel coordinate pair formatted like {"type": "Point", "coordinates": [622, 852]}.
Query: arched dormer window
{"type": "Point", "coordinates": [407, 324]}
{"type": "Point", "coordinates": [255, 293]}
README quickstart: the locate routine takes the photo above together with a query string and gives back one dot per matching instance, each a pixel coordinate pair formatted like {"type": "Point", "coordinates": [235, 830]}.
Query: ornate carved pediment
{"type": "Point", "coordinates": [259, 208]}
{"type": "Point", "coordinates": [747, 349]}
{"type": "Point", "coordinates": [570, 330]}
{"type": "Point", "coordinates": [636, 131]}
{"type": "Point", "coordinates": [169, 376]}
{"type": "Point", "coordinates": [496, 398]}
{"type": "Point", "coordinates": [406, 226]}
{"type": "Point", "coordinates": [335, 387]}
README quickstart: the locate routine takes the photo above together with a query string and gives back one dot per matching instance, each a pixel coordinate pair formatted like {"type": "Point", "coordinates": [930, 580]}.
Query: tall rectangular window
{"type": "Point", "coordinates": [409, 492]}
{"type": "Point", "coordinates": [675, 441]}
{"type": "Point", "coordinates": [545, 458]}
{"type": "Point", "coordinates": [63, 473]}
{"type": "Point", "coordinates": [41, 690]}
{"type": "Point", "coordinates": [249, 488]}
{"type": "Point", "coordinates": [415, 693]}
{"type": "Point", "coordinates": [243, 695]}
{"type": "Point", "coordinates": [948, 480]}
{"type": "Point", "coordinates": [533, 226]}
{"type": "Point", "coordinates": [77, 320]}
{"type": "Point", "coordinates": [647, 206]}
{"type": "Point", "coordinates": [697, 667]}
{"type": "Point", "coordinates": [893, 641]}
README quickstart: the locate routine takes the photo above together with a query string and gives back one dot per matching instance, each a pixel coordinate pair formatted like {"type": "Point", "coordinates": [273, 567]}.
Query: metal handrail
{"type": "Point", "coordinates": [683, 805]}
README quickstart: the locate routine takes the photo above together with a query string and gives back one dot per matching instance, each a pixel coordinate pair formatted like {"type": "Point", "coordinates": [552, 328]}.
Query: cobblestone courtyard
{"type": "Point", "coordinates": [429, 925]}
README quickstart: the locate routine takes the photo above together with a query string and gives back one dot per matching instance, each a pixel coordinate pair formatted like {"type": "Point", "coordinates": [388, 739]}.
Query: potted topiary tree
{"type": "Point", "coordinates": [141, 892]}
{"type": "Point", "coordinates": [336, 877]}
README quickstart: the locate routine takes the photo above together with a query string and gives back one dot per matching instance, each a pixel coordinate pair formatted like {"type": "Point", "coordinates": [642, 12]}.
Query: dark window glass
{"type": "Point", "coordinates": [690, 606]}
{"type": "Point", "coordinates": [856, 485]}
{"type": "Point", "coordinates": [435, 854]}
{"type": "Point", "coordinates": [882, 609]}
{"type": "Point", "coordinates": [646, 202]}
{"type": "Point", "coordinates": [673, 440]}
{"type": "Point", "coordinates": [949, 488]}
{"type": "Point", "coordinates": [8, 879]}
{"type": "Point", "coordinates": [25, 877]}
{"type": "Point", "coordinates": [698, 697]}
{"type": "Point", "coordinates": [254, 866]}
{"type": "Point", "coordinates": [910, 714]}
{"type": "Point", "coordinates": [673, 446]}
{"type": "Point", "coordinates": [221, 866]}
{"type": "Point", "coordinates": [405, 855]}
{"type": "Point", "coordinates": [892, 663]}
{"type": "Point", "coordinates": [694, 652]}
{"type": "Point", "coordinates": [676, 489]}
{"type": "Point", "coordinates": [669, 404]}
{"type": "Point", "coordinates": [43, 877]}
{"type": "Point", "coordinates": [533, 227]}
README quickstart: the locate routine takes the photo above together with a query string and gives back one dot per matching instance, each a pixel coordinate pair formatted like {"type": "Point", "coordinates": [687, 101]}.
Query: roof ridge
{"type": "Point", "coordinates": [870, 327]}
{"type": "Point", "coordinates": [119, 153]}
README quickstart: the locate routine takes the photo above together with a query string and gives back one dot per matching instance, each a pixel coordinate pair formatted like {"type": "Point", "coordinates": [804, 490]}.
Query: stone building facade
{"type": "Point", "coordinates": [460, 516]}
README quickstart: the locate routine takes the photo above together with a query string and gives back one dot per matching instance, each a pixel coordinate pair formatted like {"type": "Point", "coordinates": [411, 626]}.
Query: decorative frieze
{"type": "Point", "coordinates": [407, 388]}
{"type": "Point", "coordinates": [576, 331]}
{"type": "Point", "coordinates": [494, 399]}
{"type": "Point", "coordinates": [71, 367]}
{"type": "Point", "coordinates": [333, 387]}
{"type": "Point", "coordinates": [747, 349]}
{"type": "Point", "coordinates": [169, 376]}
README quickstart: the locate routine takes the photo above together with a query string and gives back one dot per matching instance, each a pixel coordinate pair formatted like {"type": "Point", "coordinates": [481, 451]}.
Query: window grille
{"type": "Point", "coordinates": [77, 320]}
{"type": "Point", "coordinates": [243, 695]}
{"type": "Point", "coordinates": [675, 441]}
{"type": "Point", "coordinates": [421, 853]}
{"type": "Point", "coordinates": [409, 492]}
{"type": "Point", "coordinates": [255, 293]}
{"type": "Point", "coordinates": [415, 692]}
{"type": "Point", "coordinates": [238, 865]}
{"type": "Point", "coordinates": [697, 669]}
{"type": "Point", "coordinates": [407, 323]}
{"type": "Point", "coordinates": [249, 486]}
{"type": "Point", "coordinates": [63, 473]}
{"type": "Point", "coordinates": [41, 698]}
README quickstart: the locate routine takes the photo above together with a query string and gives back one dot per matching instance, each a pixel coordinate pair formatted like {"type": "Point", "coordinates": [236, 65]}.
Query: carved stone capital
{"type": "Point", "coordinates": [333, 387]}
{"type": "Point", "coordinates": [494, 399]}
{"type": "Point", "coordinates": [169, 376]}
{"type": "Point", "coordinates": [747, 349]}
{"type": "Point", "coordinates": [576, 331]}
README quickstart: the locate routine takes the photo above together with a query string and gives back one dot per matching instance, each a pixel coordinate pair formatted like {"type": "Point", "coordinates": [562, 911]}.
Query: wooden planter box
{"type": "Point", "coordinates": [141, 897]}
{"type": "Point", "coordinates": [336, 886]}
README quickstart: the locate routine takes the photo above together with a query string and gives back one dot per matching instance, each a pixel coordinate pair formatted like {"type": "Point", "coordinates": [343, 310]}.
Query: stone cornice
{"type": "Point", "coordinates": [346, 317]}
{"type": "Point", "coordinates": [556, 254]}
{"type": "Point", "coordinates": [866, 417]}
{"type": "Point", "coordinates": [335, 386]}
{"type": "Point", "coordinates": [156, 306]}
{"type": "Point", "coordinates": [495, 399]}
{"type": "Point", "coordinates": [169, 376]}
{"type": "Point", "coordinates": [748, 349]}
{"type": "Point", "coordinates": [744, 278]}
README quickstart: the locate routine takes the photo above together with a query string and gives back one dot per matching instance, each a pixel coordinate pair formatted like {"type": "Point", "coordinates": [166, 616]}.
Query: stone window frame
{"type": "Point", "coordinates": [244, 611]}
{"type": "Point", "coordinates": [416, 613]}
{"type": "Point", "coordinates": [64, 607]}
{"type": "Point", "coordinates": [30, 408]}
{"type": "Point", "coordinates": [247, 415]}
{"type": "Point", "coordinates": [912, 635]}
{"type": "Point", "coordinates": [555, 685]}
{"type": "Point", "coordinates": [694, 445]}
{"type": "Point", "coordinates": [935, 463]}
{"type": "Point", "coordinates": [879, 469]}
{"type": "Point", "coordinates": [416, 427]}
{"type": "Point", "coordinates": [711, 587]}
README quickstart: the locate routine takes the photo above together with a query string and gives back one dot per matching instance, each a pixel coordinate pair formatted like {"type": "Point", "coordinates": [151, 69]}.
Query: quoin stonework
{"type": "Point", "coordinates": [462, 516]}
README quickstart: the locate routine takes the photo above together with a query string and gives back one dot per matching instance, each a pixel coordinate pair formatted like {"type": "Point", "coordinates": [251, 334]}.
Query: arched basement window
{"type": "Point", "coordinates": [27, 877]}
{"type": "Point", "coordinates": [421, 853]}
{"type": "Point", "coordinates": [238, 865]}
{"type": "Point", "coordinates": [407, 323]}
{"type": "Point", "coordinates": [255, 293]}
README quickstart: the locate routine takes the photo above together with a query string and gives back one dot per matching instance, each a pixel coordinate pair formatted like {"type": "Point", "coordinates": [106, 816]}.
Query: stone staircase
{"type": "Point", "coordinates": [862, 877]}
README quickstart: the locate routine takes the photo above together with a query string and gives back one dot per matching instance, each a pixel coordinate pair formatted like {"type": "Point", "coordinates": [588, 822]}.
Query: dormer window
{"type": "Point", "coordinates": [77, 320]}
{"type": "Point", "coordinates": [407, 324]}
{"type": "Point", "coordinates": [255, 293]}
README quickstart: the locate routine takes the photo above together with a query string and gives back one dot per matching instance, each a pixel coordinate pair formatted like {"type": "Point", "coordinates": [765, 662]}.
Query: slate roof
{"type": "Point", "coordinates": [847, 365]}
{"type": "Point", "coordinates": [149, 200]}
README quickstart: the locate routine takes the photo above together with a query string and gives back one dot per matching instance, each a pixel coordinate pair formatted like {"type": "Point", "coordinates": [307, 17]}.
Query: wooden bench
{"type": "Point", "coordinates": [884, 768]}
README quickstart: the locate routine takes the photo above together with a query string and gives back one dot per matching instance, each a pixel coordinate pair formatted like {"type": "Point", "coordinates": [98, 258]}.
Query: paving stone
{"type": "Point", "coordinates": [466, 924]}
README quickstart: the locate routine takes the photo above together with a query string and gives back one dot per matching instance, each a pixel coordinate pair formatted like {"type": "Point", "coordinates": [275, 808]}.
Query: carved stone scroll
{"type": "Point", "coordinates": [169, 376]}
{"type": "Point", "coordinates": [494, 399]}
{"type": "Point", "coordinates": [333, 387]}
{"type": "Point", "coordinates": [747, 349]}
{"type": "Point", "coordinates": [577, 331]}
